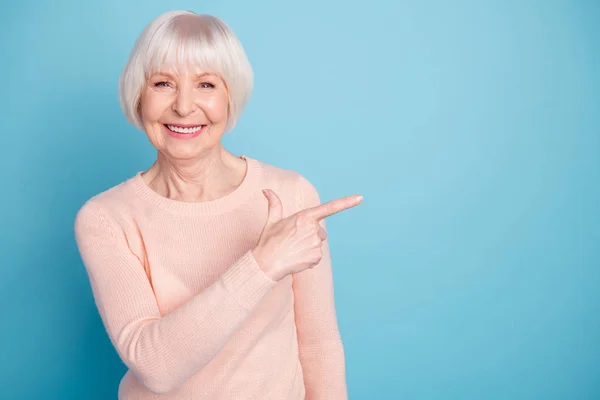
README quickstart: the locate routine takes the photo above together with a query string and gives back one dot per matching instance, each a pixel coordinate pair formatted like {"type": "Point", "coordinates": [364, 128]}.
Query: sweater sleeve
{"type": "Point", "coordinates": [161, 351]}
{"type": "Point", "coordinates": [319, 341]}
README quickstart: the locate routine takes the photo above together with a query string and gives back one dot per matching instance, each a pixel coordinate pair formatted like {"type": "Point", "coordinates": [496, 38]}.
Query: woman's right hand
{"type": "Point", "coordinates": [293, 244]}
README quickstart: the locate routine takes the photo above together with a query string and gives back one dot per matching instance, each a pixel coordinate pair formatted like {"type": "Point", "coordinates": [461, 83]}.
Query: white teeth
{"type": "Point", "coordinates": [184, 130]}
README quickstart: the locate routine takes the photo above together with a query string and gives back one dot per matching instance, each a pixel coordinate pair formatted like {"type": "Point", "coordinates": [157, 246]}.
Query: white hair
{"type": "Point", "coordinates": [181, 39]}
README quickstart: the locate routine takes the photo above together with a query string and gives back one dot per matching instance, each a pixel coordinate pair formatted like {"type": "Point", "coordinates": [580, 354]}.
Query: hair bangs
{"type": "Point", "coordinates": [184, 50]}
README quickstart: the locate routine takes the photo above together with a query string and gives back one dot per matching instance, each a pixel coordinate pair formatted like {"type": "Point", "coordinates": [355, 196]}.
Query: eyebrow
{"type": "Point", "coordinates": [196, 76]}
{"type": "Point", "coordinates": [203, 74]}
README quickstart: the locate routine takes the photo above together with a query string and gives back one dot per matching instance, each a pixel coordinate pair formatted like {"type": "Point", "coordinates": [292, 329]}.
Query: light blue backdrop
{"type": "Point", "coordinates": [472, 269]}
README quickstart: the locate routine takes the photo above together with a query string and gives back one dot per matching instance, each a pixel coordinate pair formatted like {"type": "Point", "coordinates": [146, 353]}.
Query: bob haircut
{"type": "Point", "coordinates": [183, 39]}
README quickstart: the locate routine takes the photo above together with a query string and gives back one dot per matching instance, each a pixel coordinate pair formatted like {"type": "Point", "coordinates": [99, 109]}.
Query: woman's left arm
{"type": "Point", "coordinates": [319, 341]}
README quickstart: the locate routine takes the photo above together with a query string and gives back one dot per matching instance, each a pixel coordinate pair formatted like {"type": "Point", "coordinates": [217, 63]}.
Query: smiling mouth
{"type": "Point", "coordinates": [187, 129]}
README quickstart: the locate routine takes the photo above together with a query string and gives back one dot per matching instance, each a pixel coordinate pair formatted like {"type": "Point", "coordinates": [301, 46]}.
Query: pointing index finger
{"type": "Point", "coordinates": [333, 207]}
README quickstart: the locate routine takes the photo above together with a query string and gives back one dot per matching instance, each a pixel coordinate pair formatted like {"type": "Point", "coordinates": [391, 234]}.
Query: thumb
{"type": "Point", "coordinates": [275, 212]}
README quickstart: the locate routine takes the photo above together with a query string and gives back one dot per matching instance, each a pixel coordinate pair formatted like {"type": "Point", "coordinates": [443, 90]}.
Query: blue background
{"type": "Point", "coordinates": [471, 270]}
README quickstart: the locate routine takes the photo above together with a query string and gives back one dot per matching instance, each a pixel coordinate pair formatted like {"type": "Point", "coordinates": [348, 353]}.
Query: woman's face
{"type": "Point", "coordinates": [184, 114]}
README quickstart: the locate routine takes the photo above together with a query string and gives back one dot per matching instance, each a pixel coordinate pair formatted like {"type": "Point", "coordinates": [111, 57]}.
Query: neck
{"type": "Point", "coordinates": [208, 177]}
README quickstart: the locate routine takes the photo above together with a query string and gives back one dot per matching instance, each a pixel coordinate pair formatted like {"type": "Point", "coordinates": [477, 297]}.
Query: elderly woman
{"type": "Point", "coordinates": [210, 271]}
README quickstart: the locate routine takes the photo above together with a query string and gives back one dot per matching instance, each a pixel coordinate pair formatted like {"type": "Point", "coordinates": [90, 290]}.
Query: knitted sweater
{"type": "Point", "coordinates": [188, 309]}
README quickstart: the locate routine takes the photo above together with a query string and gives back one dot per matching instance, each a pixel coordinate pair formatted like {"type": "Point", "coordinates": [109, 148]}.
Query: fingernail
{"type": "Point", "coordinates": [359, 198]}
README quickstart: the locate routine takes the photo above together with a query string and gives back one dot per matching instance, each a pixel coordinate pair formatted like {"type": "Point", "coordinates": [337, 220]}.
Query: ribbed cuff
{"type": "Point", "coordinates": [247, 281]}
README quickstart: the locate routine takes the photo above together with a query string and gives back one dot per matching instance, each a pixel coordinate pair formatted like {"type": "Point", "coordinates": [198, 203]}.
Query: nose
{"type": "Point", "coordinates": [184, 104]}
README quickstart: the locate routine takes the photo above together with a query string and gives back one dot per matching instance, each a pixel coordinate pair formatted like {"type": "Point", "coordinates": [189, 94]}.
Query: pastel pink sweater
{"type": "Point", "coordinates": [189, 310]}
